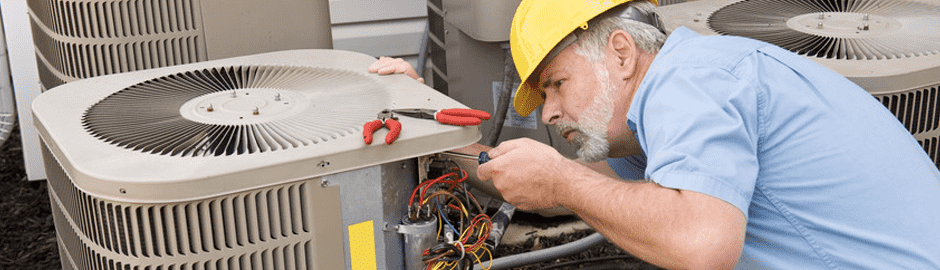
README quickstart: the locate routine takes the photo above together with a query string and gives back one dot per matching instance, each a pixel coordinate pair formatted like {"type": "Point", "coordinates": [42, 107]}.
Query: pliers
{"type": "Point", "coordinates": [456, 117]}
{"type": "Point", "coordinates": [387, 119]}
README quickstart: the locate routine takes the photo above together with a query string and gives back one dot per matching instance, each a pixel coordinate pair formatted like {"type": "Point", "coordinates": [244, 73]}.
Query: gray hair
{"type": "Point", "coordinates": [592, 41]}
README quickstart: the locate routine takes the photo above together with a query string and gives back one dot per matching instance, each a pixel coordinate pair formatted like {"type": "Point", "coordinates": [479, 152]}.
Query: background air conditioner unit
{"type": "Point", "coordinates": [79, 39]}
{"type": "Point", "coordinates": [86, 38]}
{"type": "Point", "coordinates": [891, 48]}
{"type": "Point", "coordinates": [253, 162]}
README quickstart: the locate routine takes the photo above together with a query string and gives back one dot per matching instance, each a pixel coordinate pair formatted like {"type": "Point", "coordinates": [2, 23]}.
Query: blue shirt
{"type": "Point", "coordinates": [827, 177]}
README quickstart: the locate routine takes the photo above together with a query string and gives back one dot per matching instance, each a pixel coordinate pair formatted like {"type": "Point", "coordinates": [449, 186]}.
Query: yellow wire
{"type": "Point", "coordinates": [480, 260]}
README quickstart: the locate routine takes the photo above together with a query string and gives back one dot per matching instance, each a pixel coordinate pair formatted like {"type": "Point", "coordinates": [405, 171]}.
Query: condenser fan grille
{"type": "Point", "coordinates": [837, 29]}
{"type": "Point", "coordinates": [236, 110]}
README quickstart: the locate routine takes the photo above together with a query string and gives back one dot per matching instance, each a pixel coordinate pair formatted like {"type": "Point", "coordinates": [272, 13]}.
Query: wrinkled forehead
{"type": "Point", "coordinates": [561, 46]}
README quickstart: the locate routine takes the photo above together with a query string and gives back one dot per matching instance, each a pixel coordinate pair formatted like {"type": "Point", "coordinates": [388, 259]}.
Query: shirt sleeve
{"type": "Point", "coordinates": [699, 128]}
{"type": "Point", "coordinates": [629, 167]}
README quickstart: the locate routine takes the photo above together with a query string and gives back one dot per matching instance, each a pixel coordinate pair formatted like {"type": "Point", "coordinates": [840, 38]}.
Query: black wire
{"type": "Point", "coordinates": [443, 248]}
{"type": "Point", "coordinates": [628, 258]}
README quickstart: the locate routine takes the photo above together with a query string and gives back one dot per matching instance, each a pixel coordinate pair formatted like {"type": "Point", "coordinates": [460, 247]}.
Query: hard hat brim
{"type": "Point", "coordinates": [527, 98]}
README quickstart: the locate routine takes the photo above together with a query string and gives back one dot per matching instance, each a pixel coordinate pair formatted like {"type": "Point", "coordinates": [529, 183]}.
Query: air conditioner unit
{"type": "Point", "coordinates": [891, 48]}
{"type": "Point", "coordinates": [253, 162]}
{"type": "Point", "coordinates": [87, 38]}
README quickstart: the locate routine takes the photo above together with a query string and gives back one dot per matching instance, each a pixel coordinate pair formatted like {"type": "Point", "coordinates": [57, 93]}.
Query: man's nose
{"type": "Point", "coordinates": [550, 113]}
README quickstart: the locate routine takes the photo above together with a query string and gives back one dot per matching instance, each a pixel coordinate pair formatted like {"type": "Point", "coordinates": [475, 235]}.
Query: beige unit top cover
{"type": "Point", "coordinates": [205, 129]}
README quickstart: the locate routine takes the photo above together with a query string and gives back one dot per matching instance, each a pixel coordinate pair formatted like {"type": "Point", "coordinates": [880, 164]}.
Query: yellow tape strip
{"type": "Point", "coordinates": [362, 246]}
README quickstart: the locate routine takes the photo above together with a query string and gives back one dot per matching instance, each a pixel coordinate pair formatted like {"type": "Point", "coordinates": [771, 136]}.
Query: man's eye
{"type": "Point", "coordinates": [558, 83]}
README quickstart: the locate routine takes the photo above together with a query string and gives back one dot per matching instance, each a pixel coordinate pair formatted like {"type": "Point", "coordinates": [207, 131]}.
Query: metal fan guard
{"type": "Point", "coordinates": [837, 29]}
{"type": "Point", "coordinates": [155, 116]}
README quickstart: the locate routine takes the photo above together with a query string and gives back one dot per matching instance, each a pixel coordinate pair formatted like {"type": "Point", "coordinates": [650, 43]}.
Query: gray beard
{"type": "Point", "coordinates": [592, 145]}
{"type": "Point", "coordinates": [591, 130]}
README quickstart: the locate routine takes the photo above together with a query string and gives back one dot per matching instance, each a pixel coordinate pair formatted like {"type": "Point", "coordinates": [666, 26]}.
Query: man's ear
{"type": "Point", "coordinates": [623, 47]}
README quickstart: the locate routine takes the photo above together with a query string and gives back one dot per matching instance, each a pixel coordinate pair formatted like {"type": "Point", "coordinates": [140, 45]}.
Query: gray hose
{"type": "Point", "coordinates": [505, 96]}
{"type": "Point", "coordinates": [545, 254]}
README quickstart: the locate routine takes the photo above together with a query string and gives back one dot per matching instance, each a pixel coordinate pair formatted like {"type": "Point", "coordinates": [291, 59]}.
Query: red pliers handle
{"type": "Point", "coordinates": [456, 117]}
{"type": "Point", "coordinates": [386, 119]}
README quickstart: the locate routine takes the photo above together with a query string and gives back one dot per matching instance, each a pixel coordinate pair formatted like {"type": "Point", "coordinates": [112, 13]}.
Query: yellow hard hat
{"type": "Point", "coordinates": [537, 27]}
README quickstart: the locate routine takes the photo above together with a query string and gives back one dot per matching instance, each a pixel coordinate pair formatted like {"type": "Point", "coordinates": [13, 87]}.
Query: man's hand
{"type": "Point", "coordinates": [388, 65]}
{"type": "Point", "coordinates": [527, 173]}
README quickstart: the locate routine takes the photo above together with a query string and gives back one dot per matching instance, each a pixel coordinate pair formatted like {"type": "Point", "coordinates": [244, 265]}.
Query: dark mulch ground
{"type": "Point", "coordinates": [27, 232]}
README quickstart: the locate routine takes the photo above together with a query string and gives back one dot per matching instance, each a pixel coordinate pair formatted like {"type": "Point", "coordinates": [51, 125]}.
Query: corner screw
{"type": "Point", "coordinates": [209, 109]}
{"type": "Point", "coordinates": [324, 183]}
{"type": "Point", "coordinates": [255, 111]}
{"type": "Point", "coordinates": [820, 25]}
{"type": "Point", "coordinates": [277, 97]}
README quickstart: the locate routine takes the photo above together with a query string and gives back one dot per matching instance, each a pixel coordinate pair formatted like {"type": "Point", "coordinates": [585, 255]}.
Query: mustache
{"type": "Point", "coordinates": [561, 126]}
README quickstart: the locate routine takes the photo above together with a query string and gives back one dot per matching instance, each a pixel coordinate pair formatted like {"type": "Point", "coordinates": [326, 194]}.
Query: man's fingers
{"type": "Point", "coordinates": [484, 172]}
{"type": "Point", "coordinates": [502, 148]}
{"type": "Point", "coordinates": [386, 70]}
{"type": "Point", "coordinates": [374, 67]}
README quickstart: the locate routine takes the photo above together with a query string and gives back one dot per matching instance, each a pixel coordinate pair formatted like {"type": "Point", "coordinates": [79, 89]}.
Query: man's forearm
{"type": "Point", "coordinates": [667, 227]}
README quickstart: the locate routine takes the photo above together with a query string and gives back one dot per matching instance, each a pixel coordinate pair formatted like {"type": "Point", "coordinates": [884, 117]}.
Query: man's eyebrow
{"type": "Point", "coordinates": [546, 83]}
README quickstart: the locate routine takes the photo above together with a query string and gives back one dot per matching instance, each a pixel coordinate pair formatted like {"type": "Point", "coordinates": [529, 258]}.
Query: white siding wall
{"type": "Point", "coordinates": [379, 27]}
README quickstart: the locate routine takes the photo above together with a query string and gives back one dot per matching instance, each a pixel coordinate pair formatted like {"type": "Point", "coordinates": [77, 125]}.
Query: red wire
{"type": "Point", "coordinates": [427, 183]}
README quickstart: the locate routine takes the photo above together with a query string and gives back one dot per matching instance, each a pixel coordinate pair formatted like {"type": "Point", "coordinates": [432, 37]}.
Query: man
{"type": "Point", "coordinates": [756, 157]}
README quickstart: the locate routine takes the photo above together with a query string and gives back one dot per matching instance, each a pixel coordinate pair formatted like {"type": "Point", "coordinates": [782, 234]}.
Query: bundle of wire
{"type": "Point", "coordinates": [453, 204]}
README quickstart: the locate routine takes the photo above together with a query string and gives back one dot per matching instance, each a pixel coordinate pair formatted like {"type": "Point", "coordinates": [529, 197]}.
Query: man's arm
{"type": "Point", "coordinates": [601, 166]}
{"type": "Point", "coordinates": [667, 227]}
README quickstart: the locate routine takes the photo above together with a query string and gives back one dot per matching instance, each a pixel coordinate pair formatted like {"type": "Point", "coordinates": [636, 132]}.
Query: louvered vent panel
{"type": "Point", "coordinates": [235, 110]}
{"type": "Point", "coordinates": [47, 77]}
{"type": "Point", "coordinates": [918, 110]}
{"type": "Point", "coordinates": [70, 196]}
{"type": "Point", "coordinates": [115, 19]}
{"type": "Point", "coordinates": [932, 146]}
{"type": "Point", "coordinates": [836, 29]}
{"type": "Point", "coordinates": [85, 60]}
{"type": "Point", "coordinates": [167, 230]}
{"type": "Point", "coordinates": [83, 39]}
{"type": "Point", "coordinates": [192, 228]}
